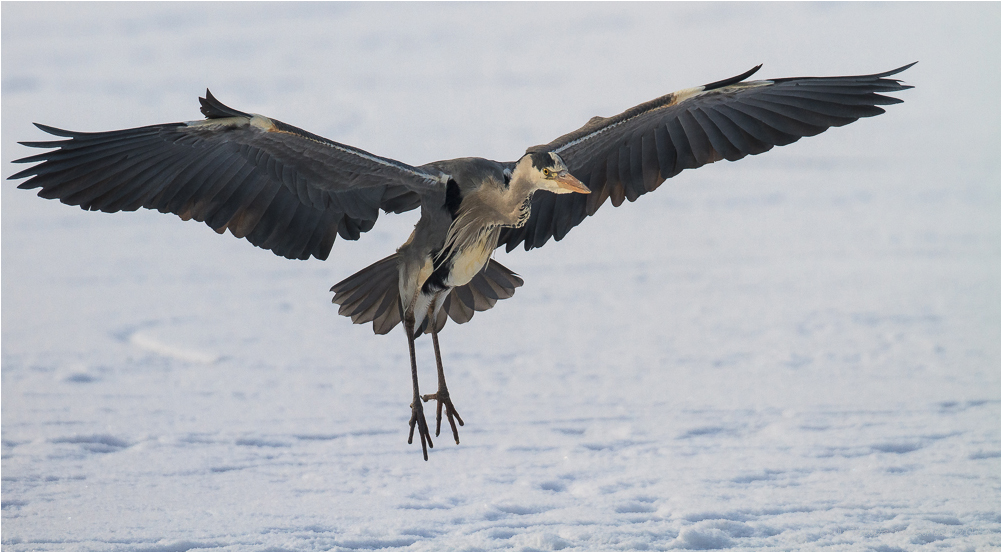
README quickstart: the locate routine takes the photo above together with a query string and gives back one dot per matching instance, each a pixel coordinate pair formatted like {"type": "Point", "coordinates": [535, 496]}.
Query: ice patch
{"type": "Point", "coordinates": [542, 541]}
{"type": "Point", "coordinates": [101, 443]}
{"type": "Point", "coordinates": [153, 345]}
{"type": "Point", "coordinates": [703, 539]}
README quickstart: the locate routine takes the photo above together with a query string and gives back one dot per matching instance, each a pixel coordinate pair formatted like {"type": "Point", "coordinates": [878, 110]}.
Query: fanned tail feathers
{"type": "Point", "coordinates": [373, 294]}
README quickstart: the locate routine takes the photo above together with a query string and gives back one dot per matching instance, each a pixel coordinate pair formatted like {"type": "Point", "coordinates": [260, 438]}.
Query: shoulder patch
{"type": "Point", "coordinates": [263, 123]}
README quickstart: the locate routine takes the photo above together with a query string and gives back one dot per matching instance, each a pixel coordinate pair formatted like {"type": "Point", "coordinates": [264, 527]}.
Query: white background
{"type": "Point", "coordinates": [800, 350]}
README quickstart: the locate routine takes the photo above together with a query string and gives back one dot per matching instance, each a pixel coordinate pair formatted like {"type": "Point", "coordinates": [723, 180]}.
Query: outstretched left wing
{"type": "Point", "coordinates": [631, 154]}
{"type": "Point", "coordinates": [281, 187]}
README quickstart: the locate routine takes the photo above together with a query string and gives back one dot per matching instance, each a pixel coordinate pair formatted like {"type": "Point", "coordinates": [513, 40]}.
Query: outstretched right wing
{"type": "Point", "coordinates": [630, 154]}
{"type": "Point", "coordinates": [282, 188]}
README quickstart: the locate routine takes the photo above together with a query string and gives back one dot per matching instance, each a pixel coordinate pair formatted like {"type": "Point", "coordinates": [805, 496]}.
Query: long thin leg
{"type": "Point", "coordinates": [417, 415]}
{"type": "Point", "coordinates": [442, 394]}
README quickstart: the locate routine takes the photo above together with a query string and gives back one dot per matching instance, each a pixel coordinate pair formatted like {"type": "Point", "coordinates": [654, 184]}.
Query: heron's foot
{"type": "Point", "coordinates": [442, 398]}
{"type": "Point", "coordinates": [418, 417]}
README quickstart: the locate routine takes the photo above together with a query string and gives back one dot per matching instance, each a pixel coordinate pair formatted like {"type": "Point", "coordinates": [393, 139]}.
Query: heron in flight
{"type": "Point", "coordinates": [293, 192]}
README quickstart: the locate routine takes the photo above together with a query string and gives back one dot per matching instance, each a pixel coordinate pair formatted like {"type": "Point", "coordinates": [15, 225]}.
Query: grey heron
{"type": "Point", "coordinates": [293, 192]}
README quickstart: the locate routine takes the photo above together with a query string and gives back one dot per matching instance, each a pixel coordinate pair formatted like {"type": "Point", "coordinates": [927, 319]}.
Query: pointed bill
{"type": "Point", "coordinates": [569, 182]}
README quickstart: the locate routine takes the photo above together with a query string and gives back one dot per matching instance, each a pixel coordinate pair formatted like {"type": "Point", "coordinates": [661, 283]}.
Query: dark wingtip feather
{"type": "Point", "coordinates": [35, 144]}
{"type": "Point", "coordinates": [54, 131]}
{"type": "Point", "coordinates": [214, 109]}
{"type": "Point", "coordinates": [40, 144]}
{"type": "Point", "coordinates": [897, 71]}
{"type": "Point", "coordinates": [732, 80]}
{"type": "Point", "coordinates": [30, 171]}
{"type": "Point", "coordinates": [897, 84]}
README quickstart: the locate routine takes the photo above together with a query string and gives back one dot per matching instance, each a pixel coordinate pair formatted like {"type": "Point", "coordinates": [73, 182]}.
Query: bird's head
{"type": "Point", "coordinates": [547, 171]}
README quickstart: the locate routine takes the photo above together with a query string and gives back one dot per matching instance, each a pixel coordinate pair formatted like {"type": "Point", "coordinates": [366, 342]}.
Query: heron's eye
{"type": "Point", "coordinates": [546, 172]}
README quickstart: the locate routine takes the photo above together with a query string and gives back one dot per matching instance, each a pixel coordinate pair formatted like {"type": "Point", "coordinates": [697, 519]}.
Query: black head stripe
{"type": "Point", "coordinates": [542, 159]}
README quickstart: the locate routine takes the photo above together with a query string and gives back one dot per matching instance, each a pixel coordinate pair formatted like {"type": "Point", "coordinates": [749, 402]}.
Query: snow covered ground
{"type": "Point", "coordinates": [800, 350]}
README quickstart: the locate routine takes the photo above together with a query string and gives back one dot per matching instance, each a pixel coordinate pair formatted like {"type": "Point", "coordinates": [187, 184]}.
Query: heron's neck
{"type": "Point", "coordinates": [517, 200]}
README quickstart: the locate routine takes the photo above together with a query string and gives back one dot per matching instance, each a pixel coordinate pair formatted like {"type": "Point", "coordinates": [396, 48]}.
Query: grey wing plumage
{"type": "Point", "coordinates": [281, 187]}
{"type": "Point", "coordinates": [625, 156]}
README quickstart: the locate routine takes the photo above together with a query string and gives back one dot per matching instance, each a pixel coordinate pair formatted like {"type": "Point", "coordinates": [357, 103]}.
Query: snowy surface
{"type": "Point", "coordinates": [800, 350]}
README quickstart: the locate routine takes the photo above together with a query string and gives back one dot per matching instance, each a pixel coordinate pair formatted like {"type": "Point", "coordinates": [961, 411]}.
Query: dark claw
{"type": "Point", "coordinates": [418, 417]}
{"type": "Point", "coordinates": [442, 397]}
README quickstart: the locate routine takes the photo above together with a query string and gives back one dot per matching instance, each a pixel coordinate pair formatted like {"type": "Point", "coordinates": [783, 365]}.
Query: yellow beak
{"type": "Point", "coordinates": [568, 181]}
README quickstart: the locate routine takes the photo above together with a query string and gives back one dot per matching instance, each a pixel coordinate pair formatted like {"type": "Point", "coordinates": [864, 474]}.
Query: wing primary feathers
{"type": "Point", "coordinates": [226, 202]}
{"type": "Point", "coordinates": [634, 184]}
{"type": "Point", "coordinates": [206, 169]}
{"type": "Point", "coordinates": [718, 139]}
{"type": "Point", "coordinates": [666, 152]}
{"type": "Point", "coordinates": [613, 183]}
{"type": "Point", "coordinates": [274, 223]}
{"type": "Point", "coordinates": [599, 185]}
{"type": "Point", "coordinates": [684, 153]}
{"type": "Point", "coordinates": [700, 146]}
{"type": "Point", "coordinates": [779, 119]}
{"type": "Point", "coordinates": [825, 107]}
{"type": "Point", "coordinates": [755, 127]}
{"type": "Point", "coordinates": [291, 240]}
{"type": "Point", "coordinates": [859, 78]}
{"type": "Point", "coordinates": [624, 179]}
{"type": "Point", "coordinates": [207, 198]}
{"type": "Point", "coordinates": [562, 217]}
{"type": "Point", "coordinates": [743, 142]}
{"type": "Point", "coordinates": [649, 162]}
{"type": "Point", "coordinates": [128, 182]}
